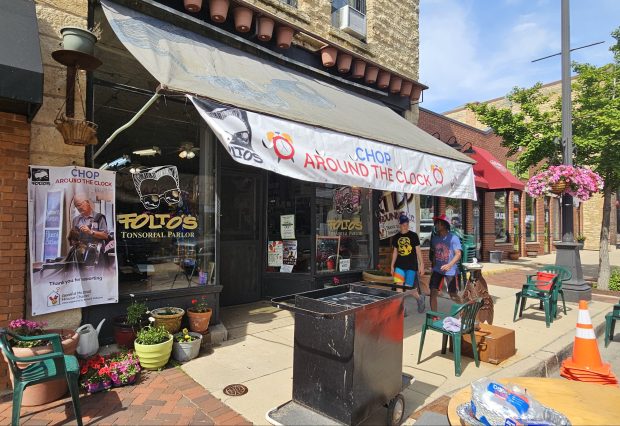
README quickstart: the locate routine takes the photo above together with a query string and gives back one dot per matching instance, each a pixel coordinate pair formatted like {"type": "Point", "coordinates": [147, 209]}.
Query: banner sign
{"type": "Point", "coordinates": [391, 207]}
{"type": "Point", "coordinates": [71, 237]}
{"type": "Point", "coordinates": [319, 155]}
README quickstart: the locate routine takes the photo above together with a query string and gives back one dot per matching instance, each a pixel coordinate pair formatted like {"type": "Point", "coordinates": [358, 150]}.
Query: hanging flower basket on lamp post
{"type": "Point", "coordinates": [579, 182]}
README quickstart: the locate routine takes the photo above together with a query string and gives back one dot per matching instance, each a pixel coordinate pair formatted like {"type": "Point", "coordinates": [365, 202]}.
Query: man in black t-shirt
{"type": "Point", "coordinates": [407, 260]}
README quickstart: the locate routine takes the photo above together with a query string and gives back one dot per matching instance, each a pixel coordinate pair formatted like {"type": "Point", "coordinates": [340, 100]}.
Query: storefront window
{"type": "Point", "coordinates": [455, 212]}
{"type": "Point", "coordinates": [427, 212]}
{"type": "Point", "coordinates": [501, 217]}
{"type": "Point", "coordinates": [165, 219]}
{"type": "Point", "coordinates": [343, 228]}
{"type": "Point", "coordinates": [530, 219]}
{"type": "Point", "coordinates": [289, 227]}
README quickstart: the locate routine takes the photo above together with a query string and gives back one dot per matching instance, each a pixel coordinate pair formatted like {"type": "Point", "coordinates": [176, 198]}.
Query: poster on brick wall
{"type": "Point", "coordinates": [71, 238]}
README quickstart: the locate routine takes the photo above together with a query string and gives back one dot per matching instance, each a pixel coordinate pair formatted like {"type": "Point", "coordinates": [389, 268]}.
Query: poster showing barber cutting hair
{"type": "Point", "coordinates": [71, 235]}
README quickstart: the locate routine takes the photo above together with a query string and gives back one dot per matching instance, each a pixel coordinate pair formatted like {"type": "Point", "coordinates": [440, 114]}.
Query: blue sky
{"type": "Point", "coordinates": [475, 50]}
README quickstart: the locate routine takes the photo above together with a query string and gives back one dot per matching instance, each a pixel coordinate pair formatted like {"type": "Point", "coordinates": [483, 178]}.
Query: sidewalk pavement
{"type": "Point", "coordinates": [259, 352]}
{"type": "Point", "coordinates": [168, 397]}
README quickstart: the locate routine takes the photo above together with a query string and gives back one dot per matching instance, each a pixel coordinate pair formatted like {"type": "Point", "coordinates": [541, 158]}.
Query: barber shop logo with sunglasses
{"type": "Point", "coordinates": [158, 185]}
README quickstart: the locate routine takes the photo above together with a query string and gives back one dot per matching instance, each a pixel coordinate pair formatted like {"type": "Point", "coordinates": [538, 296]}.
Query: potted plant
{"type": "Point", "coordinates": [218, 10]}
{"type": "Point", "coordinates": [513, 255]}
{"type": "Point", "coordinates": [284, 37]}
{"type": "Point", "coordinates": [98, 372]}
{"type": "Point", "coordinates": [199, 315]}
{"type": "Point", "coordinates": [169, 317]}
{"type": "Point", "coordinates": [80, 39]}
{"type": "Point", "coordinates": [579, 182]}
{"type": "Point", "coordinates": [192, 6]}
{"type": "Point", "coordinates": [186, 345]}
{"type": "Point", "coordinates": [124, 368]}
{"type": "Point", "coordinates": [581, 239]}
{"type": "Point", "coordinates": [153, 347]}
{"type": "Point", "coordinates": [126, 326]}
{"type": "Point", "coordinates": [42, 393]}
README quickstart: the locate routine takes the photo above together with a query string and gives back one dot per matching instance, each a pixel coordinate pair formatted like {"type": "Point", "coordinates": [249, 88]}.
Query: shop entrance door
{"type": "Point", "coordinates": [240, 237]}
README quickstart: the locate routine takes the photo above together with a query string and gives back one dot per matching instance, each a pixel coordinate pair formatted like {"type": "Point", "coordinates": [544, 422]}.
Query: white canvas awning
{"type": "Point", "coordinates": [282, 120]}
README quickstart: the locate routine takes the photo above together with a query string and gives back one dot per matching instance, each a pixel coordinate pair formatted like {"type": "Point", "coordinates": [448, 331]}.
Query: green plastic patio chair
{"type": "Point", "coordinates": [41, 368]}
{"type": "Point", "coordinates": [564, 275]}
{"type": "Point", "coordinates": [531, 291]}
{"type": "Point", "coordinates": [610, 323]}
{"type": "Point", "coordinates": [467, 313]}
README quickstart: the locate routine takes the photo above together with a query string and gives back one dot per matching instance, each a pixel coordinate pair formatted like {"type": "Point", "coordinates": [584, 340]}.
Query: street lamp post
{"type": "Point", "coordinates": [567, 254]}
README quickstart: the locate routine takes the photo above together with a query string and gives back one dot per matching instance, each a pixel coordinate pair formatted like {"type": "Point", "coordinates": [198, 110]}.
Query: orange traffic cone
{"type": "Point", "coordinates": [586, 364]}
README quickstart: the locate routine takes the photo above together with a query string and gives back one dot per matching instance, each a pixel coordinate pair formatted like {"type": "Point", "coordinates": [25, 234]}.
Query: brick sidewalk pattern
{"type": "Point", "coordinates": [168, 397]}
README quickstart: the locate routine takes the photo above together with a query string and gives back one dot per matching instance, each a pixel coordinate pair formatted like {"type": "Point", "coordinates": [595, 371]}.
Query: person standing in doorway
{"type": "Point", "coordinates": [447, 252]}
{"type": "Point", "coordinates": [407, 260]}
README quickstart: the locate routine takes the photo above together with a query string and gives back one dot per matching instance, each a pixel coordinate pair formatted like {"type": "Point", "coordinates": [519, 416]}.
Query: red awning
{"type": "Point", "coordinates": [491, 174]}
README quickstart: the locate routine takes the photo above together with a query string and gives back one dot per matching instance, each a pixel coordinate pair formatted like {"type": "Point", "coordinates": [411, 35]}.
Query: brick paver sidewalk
{"type": "Point", "coordinates": [167, 397]}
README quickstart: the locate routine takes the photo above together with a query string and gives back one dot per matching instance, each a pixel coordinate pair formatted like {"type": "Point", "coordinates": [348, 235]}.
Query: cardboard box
{"type": "Point", "coordinates": [495, 344]}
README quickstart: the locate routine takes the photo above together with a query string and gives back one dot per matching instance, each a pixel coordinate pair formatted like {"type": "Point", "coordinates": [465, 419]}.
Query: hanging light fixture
{"type": "Point", "coordinates": [188, 151]}
{"type": "Point", "coordinates": [135, 168]}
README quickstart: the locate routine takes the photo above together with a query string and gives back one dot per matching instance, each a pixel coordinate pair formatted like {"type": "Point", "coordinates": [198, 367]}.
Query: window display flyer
{"type": "Point", "coordinates": [391, 206]}
{"type": "Point", "coordinates": [71, 238]}
{"type": "Point", "coordinates": [275, 253]}
{"type": "Point", "coordinates": [345, 265]}
{"type": "Point", "coordinates": [287, 226]}
{"type": "Point", "coordinates": [289, 255]}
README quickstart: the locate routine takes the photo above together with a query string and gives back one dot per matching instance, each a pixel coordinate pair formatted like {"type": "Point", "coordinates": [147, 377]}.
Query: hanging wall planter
{"type": "Point", "coordinates": [371, 74]}
{"type": "Point", "coordinates": [76, 132]}
{"type": "Point", "coordinates": [218, 10]}
{"type": "Point", "coordinates": [78, 39]}
{"type": "Point", "coordinates": [383, 80]}
{"type": "Point", "coordinates": [416, 93]}
{"type": "Point", "coordinates": [359, 68]}
{"type": "Point", "coordinates": [395, 84]}
{"type": "Point", "coordinates": [406, 88]}
{"type": "Point", "coordinates": [284, 37]}
{"type": "Point", "coordinates": [192, 6]}
{"type": "Point", "coordinates": [328, 56]}
{"type": "Point", "coordinates": [344, 62]}
{"type": "Point", "coordinates": [265, 28]}
{"type": "Point", "coordinates": [243, 19]}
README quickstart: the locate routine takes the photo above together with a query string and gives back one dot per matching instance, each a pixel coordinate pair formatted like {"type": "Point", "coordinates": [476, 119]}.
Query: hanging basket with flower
{"type": "Point", "coordinates": [579, 182]}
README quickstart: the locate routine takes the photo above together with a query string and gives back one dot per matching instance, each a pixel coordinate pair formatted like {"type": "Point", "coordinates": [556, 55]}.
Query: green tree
{"type": "Point", "coordinates": [532, 128]}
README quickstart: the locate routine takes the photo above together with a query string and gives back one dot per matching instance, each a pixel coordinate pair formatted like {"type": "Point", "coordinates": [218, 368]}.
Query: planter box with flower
{"type": "Point", "coordinates": [199, 315]}
{"type": "Point", "coordinates": [126, 326]}
{"type": "Point", "coordinates": [186, 345]}
{"type": "Point", "coordinates": [98, 373]}
{"type": "Point", "coordinates": [579, 182]}
{"type": "Point", "coordinates": [42, 393]}
{"type": "Point", "coordinates": [153, 346]}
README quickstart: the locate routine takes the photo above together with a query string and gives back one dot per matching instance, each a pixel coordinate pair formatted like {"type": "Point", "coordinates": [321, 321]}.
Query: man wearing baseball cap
{"type": "Point", "coordinates": [407, 259]}
{"type": "Point", "coordinates": [447, 253]}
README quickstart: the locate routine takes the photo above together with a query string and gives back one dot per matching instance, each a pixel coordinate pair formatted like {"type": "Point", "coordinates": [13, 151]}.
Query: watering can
{"type": "Point", "coordinates": [89, 339]}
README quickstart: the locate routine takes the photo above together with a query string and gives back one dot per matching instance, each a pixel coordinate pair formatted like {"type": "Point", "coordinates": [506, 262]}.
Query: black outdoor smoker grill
{"type": "Point", "coordinates": [347, 357]}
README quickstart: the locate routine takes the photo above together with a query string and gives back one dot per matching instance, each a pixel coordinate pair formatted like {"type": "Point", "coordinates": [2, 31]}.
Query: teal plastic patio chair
{"type": "Point", "coordinates": [564, 275]}
{"type": "Point", "coordinates": [531, 290]}
{"type": "Point", "coordinates": [610, 323]}
{"type": "Point", "coordinates": [41, 368]}
{"type": "Point", "coordinates": [467, 313]}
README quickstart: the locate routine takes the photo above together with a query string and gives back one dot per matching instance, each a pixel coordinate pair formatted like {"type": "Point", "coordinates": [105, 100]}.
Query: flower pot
{"type": "Point", "coordinates": [284, 37]}
{"type": "Point", "coordinates": [78, 39]}
{"type": "Point", "coordinates": [371, 74]}
{"type": "Point", "coordinates": [370, 277]}
{"type": "Point", "coordinates": [243, 19]}
{"type": "Point", "coordinates": [406, 88]}
{"type": "Point", "coordinates": [154, 357]}
{"type": "Point", "coordinates": [416, 93]}
{"type": "Point", "coordinates": [44, 393]}
{"type": "Point", "coordinates": [265, 28]}
{"type": "Point", "coordinates": [192, 6]}
{"type": "Point", "coordinates": [395, 84]}
{"type": "Point", "coordinates": [199, 321]}
{"type": "Point", "coordinates": [218, 10]}
{"type": "Point", "coordinates": [172, 323]}
{"type": "Point", "coordinates": [124, 334]}
{"type": "Point", "coordinates": [559, 187]}
{"type": "Point", "coordinates": [328, 56]}
{"type": "Point", "coordinates": [359, 68]}
{"type": "Point", "coordinates": [106, 384]}
{"type": "Point", "coordinates": [94, 387]}
{"type": "Point", "coordinates": [187, 351]}
{"type": "Point", "coordinates": [383, 80]}
{"type": "Point", "coordinates": [344, 62]}
{"type": "Point", "coordinates": [580, 245]}
{"type": "Point", "coordinates": [513, 255]}
{"type": "Point", "coordinates": [130, 381]}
